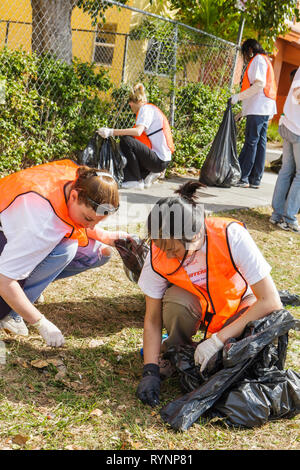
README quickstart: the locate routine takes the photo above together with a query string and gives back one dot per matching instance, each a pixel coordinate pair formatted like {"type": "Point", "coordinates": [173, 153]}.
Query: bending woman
{"type": "Point", "coordinates": [201, 273]}
{"type": "Point", "coordinates": [48, 231]}
{"type": "Point", "coordinates": [148, 146]}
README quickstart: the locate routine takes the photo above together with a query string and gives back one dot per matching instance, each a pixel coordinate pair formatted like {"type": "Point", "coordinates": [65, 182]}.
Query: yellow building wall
{"type": "Point", "coordinates": [16, 30]}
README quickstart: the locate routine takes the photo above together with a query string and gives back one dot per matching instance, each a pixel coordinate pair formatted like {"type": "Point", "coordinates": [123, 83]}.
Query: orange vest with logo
{"type": "Point", "coordinates": [225, 286]}
{"type": "Point", "coordinates": [166, 129]}
{"type": "Point", "coordinates": [47, 180]}
{"type": "Point", "coordinates": [270, 90]}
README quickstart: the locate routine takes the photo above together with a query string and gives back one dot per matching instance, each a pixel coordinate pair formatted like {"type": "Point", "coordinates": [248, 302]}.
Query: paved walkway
{"type": "Point", "coordinates": [135, 204]}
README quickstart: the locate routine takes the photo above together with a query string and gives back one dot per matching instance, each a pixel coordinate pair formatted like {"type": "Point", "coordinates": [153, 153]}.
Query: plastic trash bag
{"type": "Point", "coordinates": [104, 154]}
{"type": "Point", "coordinates": [133, 252]}
{"type": "Point", "coordinates": [221, 166]}
{"type": "Point", "coordinates": [276, 165]}
{"type": "Point", "coordinates": [244, 384]}
{"type": "Point", "coordinates": [289, 299]}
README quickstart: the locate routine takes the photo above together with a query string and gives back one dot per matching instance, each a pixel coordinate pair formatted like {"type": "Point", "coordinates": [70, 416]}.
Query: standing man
{"type": "Point", "coordinates": [258, 96]}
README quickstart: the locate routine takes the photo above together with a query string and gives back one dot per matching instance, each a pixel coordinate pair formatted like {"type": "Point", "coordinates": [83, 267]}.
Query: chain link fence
{"type": "Point", "coordinates": [72, 63]}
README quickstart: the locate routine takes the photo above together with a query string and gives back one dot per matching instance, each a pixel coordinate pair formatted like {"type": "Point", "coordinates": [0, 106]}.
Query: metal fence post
{"type": "Point", "coordinates": [172, 105]}
{"type": "Point", "coordinates": [239, 40]}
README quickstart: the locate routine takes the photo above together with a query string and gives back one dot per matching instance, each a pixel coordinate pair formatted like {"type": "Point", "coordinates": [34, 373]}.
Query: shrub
{"type": "Point", "coordinates": [51, 108]}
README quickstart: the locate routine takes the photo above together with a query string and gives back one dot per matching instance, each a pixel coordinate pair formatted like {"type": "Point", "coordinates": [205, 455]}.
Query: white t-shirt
{"type": "Point", "coordinates": [246, 255]}
{"type": "Point", "coordinates": [258, 104]}
{"type": "Point", "coordinates": [151, 119]}
{"type": "Point", "coordinates": [291, 109]}
{"type": "Point", "coordinates": [32, 230]}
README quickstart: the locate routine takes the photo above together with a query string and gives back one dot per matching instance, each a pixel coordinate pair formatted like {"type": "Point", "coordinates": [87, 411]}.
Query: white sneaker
{"type": "Point", "coordinates": [133, 184]}
{"type": "Point", "coordinates": [150, 179]}
{"type": "Point", "coordinates": [40, 299]}
{"type": "Point", "coordinates": [14, 324]}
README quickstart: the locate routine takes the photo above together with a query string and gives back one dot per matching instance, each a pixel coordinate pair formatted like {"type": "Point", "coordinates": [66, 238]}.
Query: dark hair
{"type": "Point", "coordinates": [178, 217]}
{"type": "Point", "coordinates": [292, 74]}
{"type": "Point", "coordinates": [254, 45]}
{"type": "Point", "coordinates": [96, 187]}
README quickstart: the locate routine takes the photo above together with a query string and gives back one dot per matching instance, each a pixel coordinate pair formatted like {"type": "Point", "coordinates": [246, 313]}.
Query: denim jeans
{"type": "Point", "coordinates": [253, 154]}
{"type": "Point", "coordinates": [286, 196]}
{"type": "Point", "coordinates": [65, 260]}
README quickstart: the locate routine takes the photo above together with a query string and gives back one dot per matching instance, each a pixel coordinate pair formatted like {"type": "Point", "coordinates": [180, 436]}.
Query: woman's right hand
{"type": "Point", "coordinates": [51, 334]}
{"type": "Point", "coordinates": [105, 132]}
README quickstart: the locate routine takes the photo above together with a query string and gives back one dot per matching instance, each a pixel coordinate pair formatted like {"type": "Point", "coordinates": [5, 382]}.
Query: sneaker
{"type": "Point", "coordinates": [133, 184]}
{"type": "Point", "coordinates": [275, 222]}
{"type": "Point", "coordinates": [241, 184]}
{"type": "Point", "coordinates": [14, 324]}
{"type": "Point", "coordinates": [291, 227]}
{"type": "Point", "coordinates": [150, 179]}
{"type": "Point", "coordinates": [40, 299]}
{"type": "Point", "coordinates": [254, 186]}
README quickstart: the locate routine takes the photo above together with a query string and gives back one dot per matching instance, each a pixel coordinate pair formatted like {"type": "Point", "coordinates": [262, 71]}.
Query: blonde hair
{"type": "Point", "coordinates": [138, 94]}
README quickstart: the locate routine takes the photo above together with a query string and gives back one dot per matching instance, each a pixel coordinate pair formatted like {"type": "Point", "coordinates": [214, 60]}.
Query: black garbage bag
{"type": "Point", "coordinates": [276, 165]}
{"type": "Point", "coordinates": [247, 369]}
{"type": "Point", "coordinates": [104, 154]}
{"type": "Point", "coordinates": [221, 166]}
{"type": "Point", "coordinates": [133, 252]}
{"type": "Point", "coordinates": [289, 299]}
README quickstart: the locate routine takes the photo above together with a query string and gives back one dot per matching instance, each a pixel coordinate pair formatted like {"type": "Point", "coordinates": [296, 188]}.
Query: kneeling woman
{"type": "Point", "coordinates": [201, 273]}
{"type": "Point", "coordinates": [48, 217]}
{"type": "Point", "coordinates": [147, 146]}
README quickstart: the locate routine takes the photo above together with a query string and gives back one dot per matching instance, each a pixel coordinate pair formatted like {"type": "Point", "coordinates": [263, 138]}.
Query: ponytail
{"type": "Point", "coordinates": [179, 217]}
{"type": "Point", "coordinates": [138, 94]}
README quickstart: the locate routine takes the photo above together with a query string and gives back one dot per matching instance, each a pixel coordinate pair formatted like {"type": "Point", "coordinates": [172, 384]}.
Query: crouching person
{"type": "Point", "coordinates": [48, 231]}
{"type": "Point", "coordinates": [201, 273]}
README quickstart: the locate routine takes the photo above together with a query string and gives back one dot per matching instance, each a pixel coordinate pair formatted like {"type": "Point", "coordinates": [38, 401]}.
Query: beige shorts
{"type": "Point", "coordinates": [182, 312]}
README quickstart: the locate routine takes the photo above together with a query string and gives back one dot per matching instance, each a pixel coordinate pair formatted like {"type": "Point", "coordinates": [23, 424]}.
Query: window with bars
{"type": "Point", "coordinates": [159, 57]}
{"type": "Point", "coordinates": [105, 44]}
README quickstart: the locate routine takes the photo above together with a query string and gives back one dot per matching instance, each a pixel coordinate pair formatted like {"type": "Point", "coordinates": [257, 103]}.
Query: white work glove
{"type": "Point", "coordinates": [51, 334]}
{"type": "Point", "coordinates": [105, 132]}
{"type": "Point", "coordinates": [206, 350]}
{"type": "Point", "coordinates": [234, 99]}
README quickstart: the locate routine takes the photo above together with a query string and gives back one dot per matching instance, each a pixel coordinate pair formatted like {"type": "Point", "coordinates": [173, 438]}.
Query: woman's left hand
{"type": "Point", "coordinates": [206, 350]}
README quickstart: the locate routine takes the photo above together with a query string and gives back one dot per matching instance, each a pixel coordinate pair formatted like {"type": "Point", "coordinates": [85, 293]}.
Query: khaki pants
{"type": "Point", "coordinates": [181, 314]}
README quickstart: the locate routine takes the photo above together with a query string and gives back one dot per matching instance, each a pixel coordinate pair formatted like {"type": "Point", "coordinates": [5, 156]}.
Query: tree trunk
{"type": "Point", "coordinates": [51, 28]}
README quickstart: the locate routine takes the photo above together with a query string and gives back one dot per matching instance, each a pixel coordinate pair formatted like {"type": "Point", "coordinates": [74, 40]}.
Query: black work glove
{"type": "Point", "coordinates": [149, 387]}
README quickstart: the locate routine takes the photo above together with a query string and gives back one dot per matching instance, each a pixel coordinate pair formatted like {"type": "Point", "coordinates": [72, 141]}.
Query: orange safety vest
{"type": "Point", "coordinates": [270, 90]}
{"type": "Point", "coordinates": [48, 181]}
{"type": "Point", "coordinates": [144, 138]}
{"type": "Point", "coordinates": [225, 286]}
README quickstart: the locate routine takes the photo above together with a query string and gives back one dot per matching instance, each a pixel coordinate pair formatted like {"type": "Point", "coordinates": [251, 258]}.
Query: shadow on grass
{"type": "Point", "coordinates": [96, 316]}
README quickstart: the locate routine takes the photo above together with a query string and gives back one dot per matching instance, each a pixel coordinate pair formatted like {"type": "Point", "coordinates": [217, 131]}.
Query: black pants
{"type": "Point", "coordinates": [141, 160]}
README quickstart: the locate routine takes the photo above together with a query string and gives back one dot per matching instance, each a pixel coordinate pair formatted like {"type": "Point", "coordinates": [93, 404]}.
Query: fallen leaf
{"type": "Point", "coordinates": [96, 412]}
{"type": "Point", "coordinates": [39, 363]}
{"type": "Point", "coordinates": [20, 439]}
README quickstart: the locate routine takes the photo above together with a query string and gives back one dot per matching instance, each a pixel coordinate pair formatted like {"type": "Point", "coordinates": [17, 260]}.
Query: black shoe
{"type": "Point", "coordinates": [241, 184]}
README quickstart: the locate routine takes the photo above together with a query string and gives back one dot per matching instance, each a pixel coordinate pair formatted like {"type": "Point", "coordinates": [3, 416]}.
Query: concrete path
{"type": "Point", "coordinates": [135, 205]}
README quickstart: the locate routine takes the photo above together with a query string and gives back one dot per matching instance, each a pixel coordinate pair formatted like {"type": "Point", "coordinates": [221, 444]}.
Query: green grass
{"type": "Point", "coordinates": [92, 405]}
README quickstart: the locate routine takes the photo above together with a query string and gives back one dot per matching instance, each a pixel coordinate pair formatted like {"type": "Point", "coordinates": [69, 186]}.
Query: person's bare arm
{"type": "Point", "coordinates": [152, 330]}
{"type": "Point", "coordinates": [14, 296]}
{"type": "Point", "coordinates": [133, 131]}
{"type": "Point", "coordinates": [268, 300]}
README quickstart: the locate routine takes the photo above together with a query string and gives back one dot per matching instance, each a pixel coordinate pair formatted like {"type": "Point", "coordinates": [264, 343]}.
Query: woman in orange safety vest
{"type": "Point", "coordinates": [258, 96]}
{"type": "Point", "coordinates": [201, 273]}
{"type": "Point", "coordinates": [49, 215]}
{"type": "Point", "coordinates": [148, 146]}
